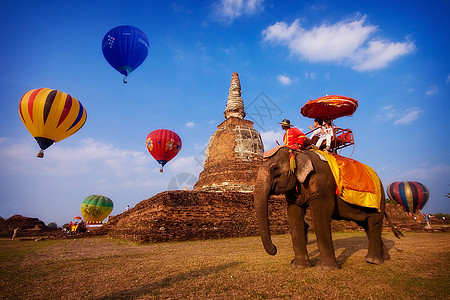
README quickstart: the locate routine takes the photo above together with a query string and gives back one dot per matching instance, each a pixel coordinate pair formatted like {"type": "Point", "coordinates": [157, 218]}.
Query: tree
{"type": "Point", "coordinates": [52, 225]}
{"type": "Point", "coordinates": [390, 201]}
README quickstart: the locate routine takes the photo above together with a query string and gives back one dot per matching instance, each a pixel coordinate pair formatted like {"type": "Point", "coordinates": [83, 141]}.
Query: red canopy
{"type": "Point", "coordinates": [330, 107]}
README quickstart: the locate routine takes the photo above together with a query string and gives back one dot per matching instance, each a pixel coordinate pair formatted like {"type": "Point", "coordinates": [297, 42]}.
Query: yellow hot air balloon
{"type": "Point", "coordinates": [51, 116]}
{"type": "Point", "coordinates": [96, 208]}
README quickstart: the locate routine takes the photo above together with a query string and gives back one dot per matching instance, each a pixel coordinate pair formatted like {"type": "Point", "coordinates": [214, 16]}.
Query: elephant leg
{"type": "Point", "coordinates": [297, 224]}
{"type": "Point", "coordinates": [377, 252]}
{"type": "Point", "coordinates": [322, 226]}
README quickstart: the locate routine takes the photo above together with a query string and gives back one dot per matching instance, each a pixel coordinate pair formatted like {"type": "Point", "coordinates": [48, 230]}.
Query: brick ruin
{"type": "Point", "coordinates": [221, 204]}
{"type": "Point", "coordinates": [191, 215]}
{"type": "Point", "coordinates": [234, 152]}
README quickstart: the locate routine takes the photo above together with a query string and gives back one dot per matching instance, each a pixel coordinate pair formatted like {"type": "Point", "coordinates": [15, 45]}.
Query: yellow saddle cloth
{"type": "Point", "coordinates": [356, 182]}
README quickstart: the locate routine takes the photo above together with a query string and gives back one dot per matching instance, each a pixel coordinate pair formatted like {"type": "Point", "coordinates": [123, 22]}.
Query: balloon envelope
{"type": "Point", "coordinates": [51, 115]}
{"type": "Point", "coordinates": [125, 48]}
{"type": "Point", "coordinates": [411, 195]}
{"type": "Point", "coordinates": [329, 107]}
{"type": "Point", "coordinates": [96, 208]}
{"type": "Point", "coordinates": [163, 145]}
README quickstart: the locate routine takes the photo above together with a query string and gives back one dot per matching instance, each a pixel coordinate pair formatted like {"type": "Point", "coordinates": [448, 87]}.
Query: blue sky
{"type": "Point", "coordinates": [392, 58]}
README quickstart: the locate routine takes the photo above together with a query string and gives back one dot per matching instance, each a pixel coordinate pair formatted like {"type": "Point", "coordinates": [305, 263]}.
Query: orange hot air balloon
{"type": "Point", "coordinates": [163, 145]}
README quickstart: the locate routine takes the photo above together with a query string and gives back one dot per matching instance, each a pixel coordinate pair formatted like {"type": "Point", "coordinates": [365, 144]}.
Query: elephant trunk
{"type": "Point", "coordinates": [261, 198]}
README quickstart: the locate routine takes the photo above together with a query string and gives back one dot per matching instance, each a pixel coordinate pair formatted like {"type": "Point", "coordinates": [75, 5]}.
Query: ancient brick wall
{"type": "Point", "coordinates": [190, 215]}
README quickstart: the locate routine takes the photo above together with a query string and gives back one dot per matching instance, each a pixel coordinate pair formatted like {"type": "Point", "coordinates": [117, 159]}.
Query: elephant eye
{"type": "Point", "coordinates": [274, 168]}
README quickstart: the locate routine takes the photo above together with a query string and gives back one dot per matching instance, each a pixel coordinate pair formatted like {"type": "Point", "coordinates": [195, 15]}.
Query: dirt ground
{"type": "Point", "coordinates": [104, 268]}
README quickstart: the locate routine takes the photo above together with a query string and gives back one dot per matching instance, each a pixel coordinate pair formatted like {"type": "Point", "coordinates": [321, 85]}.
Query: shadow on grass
{"type": "Point", "coordinates": [350, 245]}
{"type": "Point", "coordinates": [166, 282]}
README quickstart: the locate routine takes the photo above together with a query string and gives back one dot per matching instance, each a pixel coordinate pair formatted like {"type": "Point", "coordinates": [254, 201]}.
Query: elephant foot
{"type": "Point", "coordinates": [327, 266]}
{"type": "Point", "coordinates": [300, 263]}
{"type": "Point", "coordinates": [374, 260]}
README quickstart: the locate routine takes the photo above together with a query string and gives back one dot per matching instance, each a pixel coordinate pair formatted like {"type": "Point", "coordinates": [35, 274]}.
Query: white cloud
{"type": "Point", "coordinates": [418, 174]}
{"type": "Point", "coordinates": [190, 124]}
{"type": "Point", "coordinates": [433, 90]}
{"type": "Point", "coordinates": [386, 113]}
{"type": "Point", "coordinates": [311, 75]}
{"type": "Point", "coordinates": [448, 78]}
{"type": "Point", "coordinates": [91, 157]}
{"type": "Point", "coordinates": [284, 80]}
{"type": "Point", "coordinates": [185, 164]}
{"type": "Point", "coordinates": [346, 42]}
{"type": "Point", "coordinates": [229, 10]}
{"type": "Point", "coordinates": [269, 138]}
{"type": "Point", "coordinates": [411, 115]}
{"type": "Point", "coordinates": [379, 54]}
{"type": "Point", "coordinates": [390, 113]}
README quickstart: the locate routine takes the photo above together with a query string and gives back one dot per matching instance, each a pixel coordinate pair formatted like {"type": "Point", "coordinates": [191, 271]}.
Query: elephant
{"type": "Point", "coordinates": [312, 185]}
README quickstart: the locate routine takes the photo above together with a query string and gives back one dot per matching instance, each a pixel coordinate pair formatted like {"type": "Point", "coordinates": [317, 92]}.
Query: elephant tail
{"type": "Point", "coordinates": [396, 232]}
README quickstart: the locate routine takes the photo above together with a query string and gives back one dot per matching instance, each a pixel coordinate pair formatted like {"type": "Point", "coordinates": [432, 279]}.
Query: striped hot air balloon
{"type": "Point", "coordinates": [51, 116]}
{"type": "Point", "coordinates": [96, 208]}
{"type": "Point", "coordinates": [411, 195]}
{"type": "Point", "coordinates": [163, 145]}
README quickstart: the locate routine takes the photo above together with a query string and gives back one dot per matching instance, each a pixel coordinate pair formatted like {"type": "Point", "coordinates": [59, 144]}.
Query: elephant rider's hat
{"type": "Point", "coordinates": [286, 123]}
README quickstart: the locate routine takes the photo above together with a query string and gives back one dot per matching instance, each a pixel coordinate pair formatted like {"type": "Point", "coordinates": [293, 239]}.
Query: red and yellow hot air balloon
{"type": "Point", "coordinates": [51, 116]}
{"type": "Point", "coordinates": [163, 145]}
{"type": "Point", "coordinates": [411, 195]}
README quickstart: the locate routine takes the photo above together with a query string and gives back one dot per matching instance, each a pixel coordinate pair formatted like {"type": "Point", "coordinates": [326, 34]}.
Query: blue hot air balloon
{"type": "Point", "coordinates": [125, 48]}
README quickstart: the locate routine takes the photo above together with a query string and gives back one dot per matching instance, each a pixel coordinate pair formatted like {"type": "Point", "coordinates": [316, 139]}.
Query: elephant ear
{"type": "Point", "coordinates": [304, 166]}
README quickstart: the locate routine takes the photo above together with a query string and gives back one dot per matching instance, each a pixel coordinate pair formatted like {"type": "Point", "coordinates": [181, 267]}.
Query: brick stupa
{"type": "Point", "coordinates": [234, 152]}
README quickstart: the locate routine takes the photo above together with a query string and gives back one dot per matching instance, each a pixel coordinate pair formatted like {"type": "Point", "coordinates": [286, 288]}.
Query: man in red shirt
{"type": "Point", "coordinates": [294, 138]}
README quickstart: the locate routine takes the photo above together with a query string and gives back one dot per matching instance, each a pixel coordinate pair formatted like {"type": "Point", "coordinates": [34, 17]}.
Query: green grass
{"type": "Point", "coordinates": [102, 268]}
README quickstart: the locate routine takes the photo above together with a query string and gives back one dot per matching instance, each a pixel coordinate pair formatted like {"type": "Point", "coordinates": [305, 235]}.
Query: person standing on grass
{"type": "Point", "coordinates": [14, 233]}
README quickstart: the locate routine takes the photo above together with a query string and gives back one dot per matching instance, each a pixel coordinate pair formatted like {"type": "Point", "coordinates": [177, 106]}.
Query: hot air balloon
{"type": "Point", "coordinates": [163, 145]}
{"type": "Point", "coordinates": [411, 195]}
{"type": "Point", "coordinates": [50, 116]}
{"type": "Point", "coordinates": [125, 48]}
{"type": "Point", "coordinates": [96, 208]}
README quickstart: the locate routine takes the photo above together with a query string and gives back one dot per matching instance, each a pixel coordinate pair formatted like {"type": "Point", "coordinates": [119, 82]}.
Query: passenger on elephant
{"type": "Point", "coordinates": [326, 134]}
{"type": "Point", "coordinates": [294, 138]}
{"type": "Point", "coordinates": [316, 130]}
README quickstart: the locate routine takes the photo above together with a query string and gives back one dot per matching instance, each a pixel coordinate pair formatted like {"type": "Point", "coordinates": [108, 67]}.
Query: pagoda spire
{"type": "Point", "coordinates": [235, 104]}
